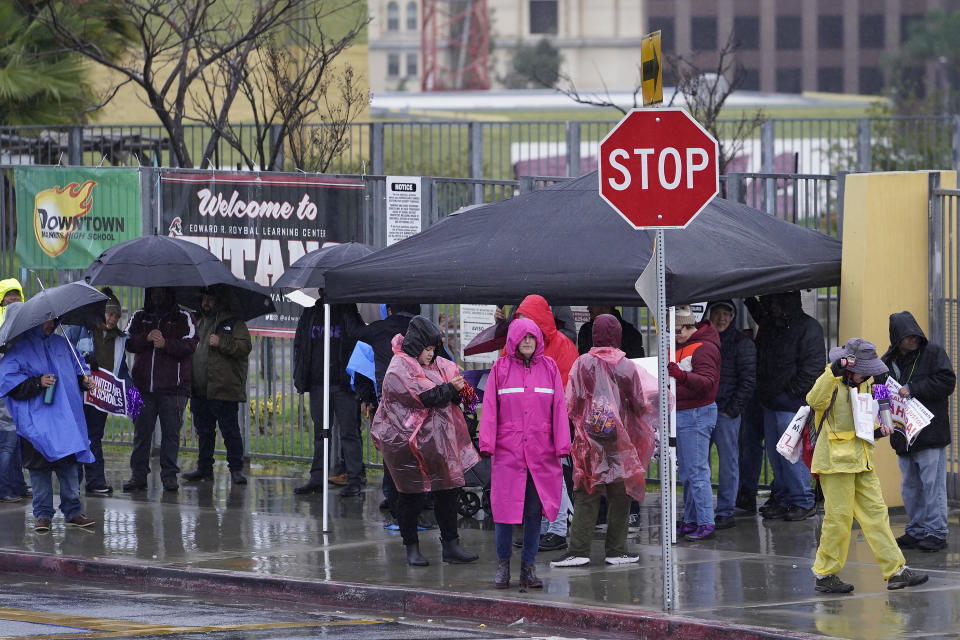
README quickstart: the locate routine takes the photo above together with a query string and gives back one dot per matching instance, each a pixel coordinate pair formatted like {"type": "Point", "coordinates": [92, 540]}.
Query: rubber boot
{"type": "Point", "coordinates": [454, 553]}
{"type": "Point", "coordinates": [414, 558]}
{"type": "Point", "coordinates": [528, 577]}
{"type": "Point", "coordinates": [502, 580]}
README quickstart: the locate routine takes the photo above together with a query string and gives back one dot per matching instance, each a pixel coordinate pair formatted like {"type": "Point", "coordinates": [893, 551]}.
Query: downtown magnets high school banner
{"type": "Point", "coordinates": [260, 223]}
{"type": "Point", "coordinates": [67, 216]}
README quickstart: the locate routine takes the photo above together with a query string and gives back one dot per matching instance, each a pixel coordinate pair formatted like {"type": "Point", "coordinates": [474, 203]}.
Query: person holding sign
{"type": "Point", "coordinates": [844, 461]}
{"type": "Point", "coordinates": [926, 374]}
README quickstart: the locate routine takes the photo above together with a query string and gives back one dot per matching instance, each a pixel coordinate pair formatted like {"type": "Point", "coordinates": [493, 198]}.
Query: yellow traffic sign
{"type": "Point", "coordinates": [651, 69]}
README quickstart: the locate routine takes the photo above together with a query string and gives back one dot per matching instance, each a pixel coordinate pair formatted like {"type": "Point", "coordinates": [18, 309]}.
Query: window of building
{"type": "Point", "coordinates": [703, 30]}
{"type": "Point", "coordinates": [411, 16]}
{"type": "Point", "coordinates": [411, 64]}
{"type": "Point", "coordinates": [905, 22]}
{"type": "Point", "coordinates": [543, 16]}
{"type": "Point", "coordinates": [830, 79]}
{"type": "Point", "coordinates": [789, 36]}
{"type": "Point", "coordinates": [872, 33]}
{"type": "Point", "coordinates": [871, 81]}
{"type": "Point", "coordinates": [788, 80]}
{"type": "Point", "coordinates": [665, 26]}
{"type": "Point", "coordinates": [393, 16]}
{"type": "Point", "coordinates": [393, 65]}
{"type": "Point", "coordinates": [746, 30]}
{"type": "Point", "coordinates": [751, 80]}
{"type": "Point", "coordinates": [830, 32]}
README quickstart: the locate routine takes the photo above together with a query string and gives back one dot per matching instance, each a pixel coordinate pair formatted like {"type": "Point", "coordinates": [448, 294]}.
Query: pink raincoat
{"type": "Point", "coordinates": [425, 449]}
{"type": "Point", "coordinates": [614, 410]}
{"type": "Point", "coordinates": [524, 427]}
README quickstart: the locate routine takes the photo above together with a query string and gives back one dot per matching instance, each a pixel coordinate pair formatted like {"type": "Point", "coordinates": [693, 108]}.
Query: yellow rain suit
{"type": "Point", "coordinates": [850, 485]}
{"type": "Point", "coordinates": [6, 286]}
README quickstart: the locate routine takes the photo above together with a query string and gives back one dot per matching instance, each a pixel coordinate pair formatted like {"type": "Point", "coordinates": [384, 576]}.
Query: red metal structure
{"type": "Point", "coordinates": [455, 45]}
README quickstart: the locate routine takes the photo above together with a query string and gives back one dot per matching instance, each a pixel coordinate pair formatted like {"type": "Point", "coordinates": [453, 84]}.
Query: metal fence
{"type": "Point", "coordinates": [505, 150]}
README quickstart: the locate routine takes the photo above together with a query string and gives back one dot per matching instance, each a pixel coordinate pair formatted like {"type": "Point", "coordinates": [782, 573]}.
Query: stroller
{"type": "Point", "coordinates": [475, 494]}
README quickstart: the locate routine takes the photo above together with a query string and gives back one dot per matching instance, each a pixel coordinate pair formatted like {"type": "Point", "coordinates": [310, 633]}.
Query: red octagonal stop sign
{"type": "Point", "coordinates": [658, 168]}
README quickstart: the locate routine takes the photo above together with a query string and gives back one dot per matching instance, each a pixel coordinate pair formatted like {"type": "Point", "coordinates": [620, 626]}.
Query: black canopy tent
{"type": "Point", "coordinates": [568, 245]}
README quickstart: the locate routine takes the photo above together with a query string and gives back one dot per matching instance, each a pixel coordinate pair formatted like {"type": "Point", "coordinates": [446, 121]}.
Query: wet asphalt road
{"type": "Point", "coordinates": [37, 609]}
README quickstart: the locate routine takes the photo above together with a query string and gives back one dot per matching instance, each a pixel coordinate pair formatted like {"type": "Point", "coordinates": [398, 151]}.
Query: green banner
{"type": "Point", "coordinates": [67, 216]}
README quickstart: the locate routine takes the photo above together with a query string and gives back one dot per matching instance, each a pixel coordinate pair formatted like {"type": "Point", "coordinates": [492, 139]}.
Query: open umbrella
{"type": "Point", "coordinates": [158, 261]}
{"type": "Point", "coordinates": [247, 300]}
{"type": "Point", "coordinates": [73, 303]}
{"type": "Point", "coordinates": [310, 270]}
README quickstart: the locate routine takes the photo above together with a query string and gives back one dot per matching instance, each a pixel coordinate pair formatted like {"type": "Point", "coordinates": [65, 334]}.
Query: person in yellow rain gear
{"type": "Point", "coordinates": [850, 485]}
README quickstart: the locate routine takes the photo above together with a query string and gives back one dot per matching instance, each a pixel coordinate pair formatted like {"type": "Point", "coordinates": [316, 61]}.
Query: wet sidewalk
{"type": "Point", "coordinates": [261, 539]}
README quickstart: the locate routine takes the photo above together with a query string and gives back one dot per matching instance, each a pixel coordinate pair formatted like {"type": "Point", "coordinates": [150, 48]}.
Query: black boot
{"type": "Point", "coordinates": [454, 553]}
{"type": "Point", "coordinates": [528, 577]}
{"type": "Point", "coordinates": [197, 475]}
{"type": "Point", "coordinates": [502, 581]}
{"type": "Point", "coordinates": [414, 558]}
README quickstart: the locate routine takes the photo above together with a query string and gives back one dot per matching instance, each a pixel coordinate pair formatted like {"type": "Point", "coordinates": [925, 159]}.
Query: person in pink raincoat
{"type": "Point", "coordinates": [524, 427]}
{"type": "Point", "coordinates": [614, 413]}
{"type": "Point", "coordinates": [422, 434]}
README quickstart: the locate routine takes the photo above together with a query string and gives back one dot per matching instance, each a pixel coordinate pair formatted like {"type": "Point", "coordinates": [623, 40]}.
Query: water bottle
{"type": "Point", "coordinates": [48, 393]}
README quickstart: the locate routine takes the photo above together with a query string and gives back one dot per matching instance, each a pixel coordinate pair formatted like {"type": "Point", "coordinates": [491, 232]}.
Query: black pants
{"type": "Point", "coordinates": [169, 408]}
{"type": "Point", "coordinates": [345, 406]}
{"type": "Point", "coordinates": [206, 415]}
{"type": "Point", "coordinates": [444, 508]}
{"type": "Point", "coordinates": [96, 421]}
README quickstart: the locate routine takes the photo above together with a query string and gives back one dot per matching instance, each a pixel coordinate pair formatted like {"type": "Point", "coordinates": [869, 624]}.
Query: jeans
{"type": "Point", "coordinates": [444, 508]}
{"type": "Point", "coordinates": [11, 473]}
{"type": "Point", "coordinates": [694, 427]}
{"type": "Point", "coordinates": [923, 485]}
{"type": "Point", "coordinates": [345, 406]}
{"type": "Point", "coordinates": [725, 436]}
{"type": "Point", "coordinates": [792, 486]}
{"type": "Point", "coordinates": [587, 505]}
{"type": "Point", "coordinates": [96, 421]}
{"type": "Point", "coordinates": [168, 407]}
{"type": "Point", "coordinates": [42, 482]}
{"type": "Point", "coordinates": [559, 525]}
{"type": "Point", "coordinates": [207, 414]}
{"type": "Point", "coordinates": [532, 510]}
{"type": "Point", "coordinates": [751, 447]}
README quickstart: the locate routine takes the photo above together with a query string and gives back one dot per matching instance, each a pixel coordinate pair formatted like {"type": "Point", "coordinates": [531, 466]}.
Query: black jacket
{"type": "Point", "coordinates": [345, 324]}
{"type": "Point", "coordinates": [631, 342]}
{"type": "Point", "coordinates": [378, 335]}
{"type": "Point", "coordinates": [738, 371]}
{"type": "Point", "coordinates": [790, 353]}
{"type": "Point", "coordinates": [928, 374]}
{"type": "Point", "coordinates": [420, 334]}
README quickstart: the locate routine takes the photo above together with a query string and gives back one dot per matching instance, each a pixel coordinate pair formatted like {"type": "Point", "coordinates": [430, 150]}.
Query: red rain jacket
{"type": "Point", "coordinates": [555, 344]}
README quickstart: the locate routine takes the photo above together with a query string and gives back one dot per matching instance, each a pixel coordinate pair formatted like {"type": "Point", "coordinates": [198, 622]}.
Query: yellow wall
{"type": "Point", "coordinates": [885, 269]}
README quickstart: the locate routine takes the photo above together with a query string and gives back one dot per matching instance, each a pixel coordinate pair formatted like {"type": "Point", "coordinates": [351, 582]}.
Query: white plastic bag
{"type": "Point", "coordinates": [790, 444]}
{"type": "Point", "coordinates": [865, 410]}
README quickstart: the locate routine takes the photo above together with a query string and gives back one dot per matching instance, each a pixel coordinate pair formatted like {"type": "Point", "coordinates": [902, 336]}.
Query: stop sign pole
{"type": "Point", "coordinates": [658, 169]}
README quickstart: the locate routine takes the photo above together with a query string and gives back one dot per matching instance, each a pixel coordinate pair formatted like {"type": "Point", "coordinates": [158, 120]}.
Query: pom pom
{"type": "Point", "coordinates": [134, 402]}
{"type": "Point", "coordinates": [880, 392]}
{"type": "Point", "coordinates": [469, 398]}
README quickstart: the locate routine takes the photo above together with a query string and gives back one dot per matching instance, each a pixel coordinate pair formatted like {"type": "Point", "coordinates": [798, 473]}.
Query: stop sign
{"type": "Point", "coordinates": [658, 168]}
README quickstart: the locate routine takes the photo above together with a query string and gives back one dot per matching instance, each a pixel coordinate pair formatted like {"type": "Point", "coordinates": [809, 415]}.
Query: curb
{"type": "Point", "coordinates": [387, 600]}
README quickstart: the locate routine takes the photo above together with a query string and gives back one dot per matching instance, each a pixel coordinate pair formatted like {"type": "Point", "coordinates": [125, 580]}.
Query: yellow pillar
{"type": "Point", "coordinates": [885, 261]}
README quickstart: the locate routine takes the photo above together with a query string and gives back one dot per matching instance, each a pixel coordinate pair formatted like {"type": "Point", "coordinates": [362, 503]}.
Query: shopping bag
{"type": "Point", "coordinates": [790, 444]}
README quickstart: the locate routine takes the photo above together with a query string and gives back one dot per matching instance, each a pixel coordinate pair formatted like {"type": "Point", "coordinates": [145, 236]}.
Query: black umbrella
{"type": "Point", "coordinates": [158, 261]}
{"type": "Point", "coordinates": [74, 303]}
{"type": "Point", "coordinates": [310, 270]}
{"type": "Point", "coordinates": [246, 299]}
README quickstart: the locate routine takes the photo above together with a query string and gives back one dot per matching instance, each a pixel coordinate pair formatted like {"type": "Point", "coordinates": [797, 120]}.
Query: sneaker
{"type": "Point", "coordinates": [907, 541]}
{"type": "Point", "coordinates": [552, 542]}
{"type": "Point", "coordinates": [703, 532]}
{"type": "Point", "coordinates": [170, 484]}
{"type": "Point", "coordinates": [794, 514]}
{"type": "Point", "coordinates": [775, 512]}
{"type": "Point", "coordinates": [81, 521]}
{"type": "Point", "coordinates": [11, 498]}
{"type": "Point", "coordinates": [339, 480]}
{"type": "Point", "coordinates": [569, 560]}
{"type": "Point", "coordinates": [833, 584]}
{"type": "Point", "coordinates": [134, 485]}
{"type": "Point", "coordinates": [105, 490]}
{"type": "Point", "coordinates": [42, 525]}
{"type": "Point", "coordinates": [518, 543]}
{"type": "Point", "coordinates": [626, 558]}
{"type": "Point", "coordinates": [724, 522]}
{"type": "Point", "coordinates": [686, 527]}
{"type": "Point", "coordinates": [197, 475]}
{"type": "Point", "coordinates": [633, 523]}
{"type": "Point", "coordinates": [906, 578]}
{"type": "Point", "coordinates": [391, 525]}
{"type": "Point", "coordinates": [931, 543]}
{"type": "Point", "coordinates": [769, 504]}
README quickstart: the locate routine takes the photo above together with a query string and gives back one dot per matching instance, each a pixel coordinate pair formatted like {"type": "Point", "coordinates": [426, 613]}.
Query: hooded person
{"type": "Point", "coordinates": [613, 409]}
{"type": "Point", "coordinates": [12, 486]}
{"type": "Point", "coordinates": [524, 427]}
{"type": "Point", "coordinates": [555, 344]}
{"type": "Point", "coordinates": [422, 434]}
{"type": "Point", "coordinates": [10, 291]}
{"type": "Point", "coordinates": [925, 372]}
{"type": "Point", "coordinates": [847, 472]}
{"type": "Point", "coordinates": [41, 381]}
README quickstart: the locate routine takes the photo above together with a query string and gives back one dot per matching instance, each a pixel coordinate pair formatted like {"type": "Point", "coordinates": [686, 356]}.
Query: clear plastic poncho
{"type": "Point", "coordinates": [425, 449]}
{"type": "Point", "coordinates": [613, 406]}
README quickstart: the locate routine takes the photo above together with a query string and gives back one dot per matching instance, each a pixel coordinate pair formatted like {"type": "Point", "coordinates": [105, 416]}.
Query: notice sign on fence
{"type": "Point", "coordinates": [403, 208]}
{"type": "Point", "coordinates": [474, 318]}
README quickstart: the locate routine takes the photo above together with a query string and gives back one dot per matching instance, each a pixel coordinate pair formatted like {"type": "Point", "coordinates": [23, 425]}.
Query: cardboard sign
{"type": "Point", "coordinates": [109, 393]}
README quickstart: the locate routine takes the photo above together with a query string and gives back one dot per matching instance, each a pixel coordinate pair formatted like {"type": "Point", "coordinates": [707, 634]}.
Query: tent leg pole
{"type": "Point", "coordinates": [326, 416]}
